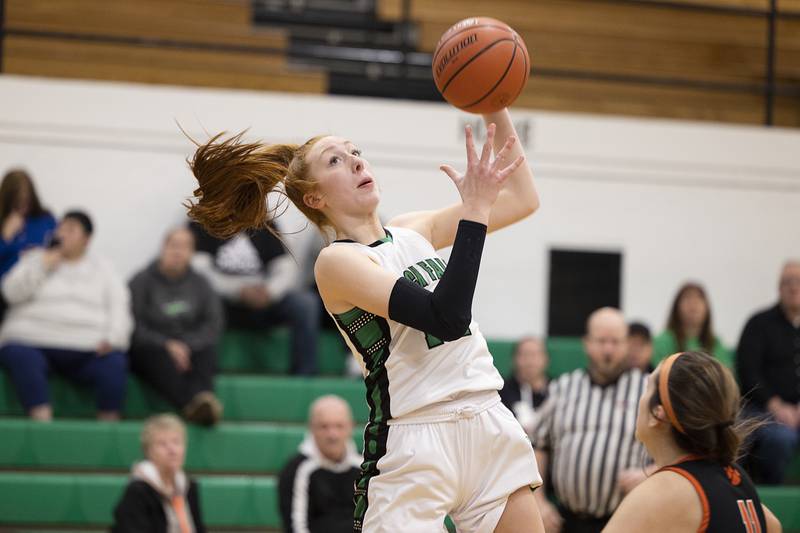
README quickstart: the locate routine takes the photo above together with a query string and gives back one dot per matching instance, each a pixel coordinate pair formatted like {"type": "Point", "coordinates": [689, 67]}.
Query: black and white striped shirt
{"type": "Point", "coordinates": [588, 430]}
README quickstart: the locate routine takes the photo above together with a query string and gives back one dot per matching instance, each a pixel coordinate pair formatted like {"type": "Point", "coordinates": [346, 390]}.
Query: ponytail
{"type": "Point", "coordinates": [234, 179]}
{"type": "Point", "coordinates": [701, 399]}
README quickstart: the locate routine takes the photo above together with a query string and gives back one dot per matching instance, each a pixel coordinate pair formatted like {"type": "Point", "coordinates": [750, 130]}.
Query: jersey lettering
{"type": "Point", "coordinates": [749, 517]}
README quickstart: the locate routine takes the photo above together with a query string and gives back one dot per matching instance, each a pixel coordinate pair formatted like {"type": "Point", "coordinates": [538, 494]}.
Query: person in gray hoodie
{"type": "Point", "coordinates": [179, 321]}
{"type": "Point", "coordinates": [160, 498]}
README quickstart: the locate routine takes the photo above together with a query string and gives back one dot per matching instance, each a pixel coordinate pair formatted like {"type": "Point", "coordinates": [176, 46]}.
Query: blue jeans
{"type": "Point", "coordinates": [29, 366]}
{"type": "Point", "coordinates": [774, 445]}
{"type": "Point", "coordinates": [300, 311]}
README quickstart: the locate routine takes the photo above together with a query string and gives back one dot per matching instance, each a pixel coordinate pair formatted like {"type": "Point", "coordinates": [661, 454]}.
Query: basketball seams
{"type": "Point", "coordinates": [440, 46]}
{"type": "Point", "coordinates": [473, 58]}
{"type": "Point", "coordinates": [496, 85]}
{"type": "Point", "coordinates": [527, 72]}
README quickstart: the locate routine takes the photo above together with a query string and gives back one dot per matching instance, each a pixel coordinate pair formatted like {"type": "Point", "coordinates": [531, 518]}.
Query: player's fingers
{"type": "Point", "coordinates": [500, 158]}
{"type": "Point", "coordinates": [472, 156]}
{"type": "Point", "coordinates": [451, 173]}
{"type": "Point", "coordinates": [506, 172]}
{"type": "Point", "coordinates": [487, 146]}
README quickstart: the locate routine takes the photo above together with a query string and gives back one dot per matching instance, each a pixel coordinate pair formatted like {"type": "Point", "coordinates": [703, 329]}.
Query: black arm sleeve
{"type": "Point", "coordinates": [447, 311]}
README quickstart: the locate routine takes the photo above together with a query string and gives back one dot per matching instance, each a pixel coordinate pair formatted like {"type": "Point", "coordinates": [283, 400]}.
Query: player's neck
{"type": "Point", "coordinates": [364, 230]}
{"type": "Point", "coordinates": [666, 452]}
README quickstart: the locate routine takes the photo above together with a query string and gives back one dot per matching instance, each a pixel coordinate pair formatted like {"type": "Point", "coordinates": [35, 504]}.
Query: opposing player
{"type": "Point", "coordinates": [687, 422]}
{"type": "Point", "coordinates": [438, 440]}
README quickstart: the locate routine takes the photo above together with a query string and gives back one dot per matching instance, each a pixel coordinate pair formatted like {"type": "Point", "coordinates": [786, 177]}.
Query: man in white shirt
{"type": "Point", "coordinates": [69, 312]}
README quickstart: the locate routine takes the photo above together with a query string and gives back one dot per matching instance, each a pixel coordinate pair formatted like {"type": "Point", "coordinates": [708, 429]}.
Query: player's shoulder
{"type": "Point", "coordinates": [420, 222]}
{"type": "Point", "coordinates": [664, 495]}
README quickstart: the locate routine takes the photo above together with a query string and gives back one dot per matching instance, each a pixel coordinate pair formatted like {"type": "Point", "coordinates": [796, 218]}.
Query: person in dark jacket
{"type": "Point", "coordinates": [768, 366]}
{"type": "Point", "coordinates": [526, 389]}
{"type": "Point", "coordinates": [160, 498]}
{"type": "Point", "coordinates": [316, 486]}
{"type": "Point", "coordinates": [178, 325]}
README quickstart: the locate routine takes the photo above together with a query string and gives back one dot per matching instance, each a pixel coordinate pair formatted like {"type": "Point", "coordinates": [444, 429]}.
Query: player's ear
{"type": "Point", "coordinates": [657, 417]}
{"type": "Point", "coordinates": [314, 200]}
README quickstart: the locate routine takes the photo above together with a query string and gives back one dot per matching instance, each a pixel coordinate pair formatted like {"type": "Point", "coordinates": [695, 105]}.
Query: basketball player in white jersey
{"type": "Point", "coordinates": [438, 441]}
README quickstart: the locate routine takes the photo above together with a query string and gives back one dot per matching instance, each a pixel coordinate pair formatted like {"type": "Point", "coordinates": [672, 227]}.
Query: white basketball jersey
{"type": "Point", "coordinates": [404, 368]}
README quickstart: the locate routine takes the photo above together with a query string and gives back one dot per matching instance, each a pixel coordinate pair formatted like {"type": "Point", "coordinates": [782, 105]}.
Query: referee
{"type": "Point", "coordinates": [587, 430]}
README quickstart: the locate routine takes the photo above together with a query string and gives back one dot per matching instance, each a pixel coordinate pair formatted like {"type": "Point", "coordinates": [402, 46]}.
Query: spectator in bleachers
{"type": "Point", "coordinates": [258, 281]}
{"type": "Point", "coordinates": [160, 497]}
{"type": "Point", "coordinates": [768, 365]}
{"type": "Point", "coordinates": [526, 389]}
{"type": "Point", "coordinates": [24, 222]}
{"type": "Point", "coordinates": [586, 428]}
{"type": "Point", "coordinates": [640, 347]}
{"type": "Point", "coordinates": [316, 487]}
{"type": "Point", "coordinates": [68, 311]}
{"type": "Point", "coordinates": [689, 327]}
{"type": "Point", "coordinates": [178, 326]}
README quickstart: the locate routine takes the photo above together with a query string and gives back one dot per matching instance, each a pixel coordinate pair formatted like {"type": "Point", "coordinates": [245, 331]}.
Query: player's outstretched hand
{"type": "Point", "coordinates": [484, 177]}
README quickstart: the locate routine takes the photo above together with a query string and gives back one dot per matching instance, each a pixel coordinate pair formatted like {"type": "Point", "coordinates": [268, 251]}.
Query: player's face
{"type": "Point", "coordinates": [167, 450]}
{"type": "Point", "coordinates": [644, 417]}
{"type": "Point", "coordinates": [345, 182]}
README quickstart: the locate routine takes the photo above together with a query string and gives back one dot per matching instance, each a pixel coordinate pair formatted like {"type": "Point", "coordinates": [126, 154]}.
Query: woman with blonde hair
{"type": "Point", "coordinates": [160, 497]}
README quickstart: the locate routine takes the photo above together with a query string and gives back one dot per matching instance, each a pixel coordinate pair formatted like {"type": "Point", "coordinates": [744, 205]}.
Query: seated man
{"type": "Point", "coordinates": [258, 281]}
{"type": "Point", "coordinates": [178, 324]}
{"type": "Point", "coordinates": [68, 311]}
{"type": "Point", "coordinates": [316, 487]}
{"type": "Point", "coordinates": [525, 391]}
{"type": "Point", "coordinates": [768, 366]}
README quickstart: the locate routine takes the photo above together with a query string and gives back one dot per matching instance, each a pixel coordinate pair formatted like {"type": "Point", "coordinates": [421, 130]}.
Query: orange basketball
{"type": "Point", "coordinates": [480, 65]}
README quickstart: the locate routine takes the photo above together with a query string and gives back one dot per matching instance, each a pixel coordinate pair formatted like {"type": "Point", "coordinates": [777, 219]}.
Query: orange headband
{"type": "Point", "coordinates": [663, 390]}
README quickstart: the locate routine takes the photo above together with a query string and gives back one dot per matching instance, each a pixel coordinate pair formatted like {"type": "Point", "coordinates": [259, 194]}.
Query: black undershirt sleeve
{"type": "Point", "coordinates": [447, 311]}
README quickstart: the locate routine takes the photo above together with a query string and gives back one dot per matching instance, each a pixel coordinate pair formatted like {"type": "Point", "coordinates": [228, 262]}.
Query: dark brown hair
{"type": "Point", "coordinates": [674, 321]}
{"type": "Point", "coordinates": [705, 399]}
{"type": "Point", "coordinates": [12, 184]}
{"type": "Point", "coordinates": [234, 178]}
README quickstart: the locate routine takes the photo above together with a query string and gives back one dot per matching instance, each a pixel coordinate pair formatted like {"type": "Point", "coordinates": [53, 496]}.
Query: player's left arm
{"type": "Point", "coordinates": [665, 494]}
{"type": "Point", "coordinates": [517, 200]}
{"type": "Point", "coordinates": [773, 524]}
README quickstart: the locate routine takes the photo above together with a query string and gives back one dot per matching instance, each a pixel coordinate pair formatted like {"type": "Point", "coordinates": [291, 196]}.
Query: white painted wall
{"type": "Point", "coordinates": [718, 204]}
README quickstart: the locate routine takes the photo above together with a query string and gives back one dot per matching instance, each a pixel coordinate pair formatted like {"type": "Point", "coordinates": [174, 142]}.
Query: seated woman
{"type": "Point", "coordinates": [24, 223]}
{"type": "Point", "coordinates": [687, 420]}
{"type": "Point", "coordinates": [160, 498]}
{"type": "Point", "coordinates": [690, 327]}
{"type": "Point", "coordinates": [69, 312]}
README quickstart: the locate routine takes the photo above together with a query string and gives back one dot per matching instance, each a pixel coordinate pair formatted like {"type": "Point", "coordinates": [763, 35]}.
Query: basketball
{"type": "Point", "coordinates": [480, 65]}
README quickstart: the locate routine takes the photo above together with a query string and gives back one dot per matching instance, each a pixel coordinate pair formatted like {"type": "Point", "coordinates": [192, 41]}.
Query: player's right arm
{"type": "Point", "coordinates": [347, 278]}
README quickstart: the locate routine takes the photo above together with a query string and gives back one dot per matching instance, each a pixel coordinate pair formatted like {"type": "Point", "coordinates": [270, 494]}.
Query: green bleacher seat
{"type": "Point", "coordinates": [268, 352]}
{"type": "Point", "coordinates": [240, 501]}
{"type": "Point", "coordinates": [91, 445]}
{"type": "Point", "coordinates": [89, 499]}
{"type": "Point", "coordinates": [254, 398]}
